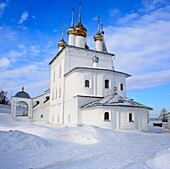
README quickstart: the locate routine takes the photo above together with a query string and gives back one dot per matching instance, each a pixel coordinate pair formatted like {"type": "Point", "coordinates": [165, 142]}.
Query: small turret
{"type": "Point", "coordinates": [95, 61]}
{"type": "Point", "coordinates": [81, 32]}
{"type": "Point", "coordinates": [62, 43]}
{"type": "Point", "coordinates": [72, 31]}
{"type": "Point", "coordinates": [98, 38]}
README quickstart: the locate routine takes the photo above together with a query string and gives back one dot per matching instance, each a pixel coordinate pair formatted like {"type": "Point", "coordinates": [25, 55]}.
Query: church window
{"type": "Point", "coordinates": [121, 87]}
{"type": "Point", "coordinates": [106, 116]}
{"type": "Point", "coordinates": [41, 116]}
{"type": "Point", "coordinates": [87, 83]}
{"type": "Point", "coordinates": [106, 84]}
{"type": "Point", "coordinates": [69, 118]}
{"type": "Point", "coordinates": [46, 99]}
{"type": "Point", "coordinates": [130, 117]}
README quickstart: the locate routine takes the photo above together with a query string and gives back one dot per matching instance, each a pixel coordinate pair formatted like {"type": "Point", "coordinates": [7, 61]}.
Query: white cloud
{"type": "Point", "coordinates": [2, 8]}
{"type": "Point", "coordinates": [4, 62]}
{"type": "Point", "coordinates": [153, 4]}
{"type": "Point", "coordinates": [142, 48]}
{"type": "Point", "coordinates": [149, 80]}
{"type": "Point", "coordinates": [34, 77]}
{"type": "Point", "coordinates": [23, 17]}
{"type": "Point", "coordinates": [128, 18]}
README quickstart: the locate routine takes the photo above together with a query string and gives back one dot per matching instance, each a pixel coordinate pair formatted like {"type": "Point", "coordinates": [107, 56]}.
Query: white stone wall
{"type": "Point", "coordinates": [119, 118]}
{"type": "Point", "coordinates": [77, 57]}
{"type": "Point", "coordinates": [41, 110]}
{"type": "Point", "coordinates": [75, 83]}
{"type": "Point", "coordinates": [168, 123]}
{"type": "Point", "coordinates": [57, 89]}
{"type": "Point", "coordinates": [5, 108]}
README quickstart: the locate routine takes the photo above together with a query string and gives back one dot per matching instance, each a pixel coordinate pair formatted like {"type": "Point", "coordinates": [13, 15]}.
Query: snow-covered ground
{"type": "Point", "coordinates": [26, 145]}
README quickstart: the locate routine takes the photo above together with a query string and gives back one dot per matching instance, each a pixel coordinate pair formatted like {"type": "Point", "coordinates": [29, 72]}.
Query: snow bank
{"type": "Point", "coordinates": [39, 145]}
{"type": "Point", "coordinates": [5, 119]}
{"type": "Point", "coordinates": [160, 160]}
{"type": "Point", "coordinates": [17, 140]}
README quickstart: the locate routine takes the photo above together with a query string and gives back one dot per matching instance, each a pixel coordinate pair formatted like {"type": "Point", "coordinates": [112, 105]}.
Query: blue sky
{"type": "Point", "coordinates": [137, 31]}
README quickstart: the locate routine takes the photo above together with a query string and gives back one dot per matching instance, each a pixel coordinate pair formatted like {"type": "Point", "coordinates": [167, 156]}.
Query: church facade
{"type": "Point", "coordinates": [85, 89]}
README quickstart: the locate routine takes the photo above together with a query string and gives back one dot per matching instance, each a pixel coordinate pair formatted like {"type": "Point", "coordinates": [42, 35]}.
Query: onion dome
{"type": "Point", "coordinates": [23, 94]}
{"type": "Point", "coordinates": [61, 43]}
{"type": "Point", "coordinates": [98, 36]}
{"type": "Point", "coordinates": [72, 30]}
{"type": "Point", "coordinates": [95, 59]}
{"type": "Point", "coordinates": [81, 30]}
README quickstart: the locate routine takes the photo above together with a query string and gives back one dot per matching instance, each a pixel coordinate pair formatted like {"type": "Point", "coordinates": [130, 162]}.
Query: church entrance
{"type": "Point", "coordinates": [22, 109]}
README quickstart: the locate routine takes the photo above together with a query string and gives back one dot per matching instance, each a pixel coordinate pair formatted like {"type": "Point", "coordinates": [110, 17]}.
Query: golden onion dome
{"type": "Point", "coordinates": [61, 43]}
{"type": "Point", "coordinates": [81, 30]}
{"type": "Point", "coordinates": [98, 36]}
{"type": "Point", "coordinates": [71, 30]}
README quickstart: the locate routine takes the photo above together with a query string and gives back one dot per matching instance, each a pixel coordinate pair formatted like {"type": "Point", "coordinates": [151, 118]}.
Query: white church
{"type": "Point", "coordinates": [84, 88]}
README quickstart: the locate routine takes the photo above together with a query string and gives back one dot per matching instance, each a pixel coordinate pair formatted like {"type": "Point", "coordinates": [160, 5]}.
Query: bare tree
{"type": "Point", "coordinates": [162, 115]}
{"type": "Point", "coordinates": [3, 97]}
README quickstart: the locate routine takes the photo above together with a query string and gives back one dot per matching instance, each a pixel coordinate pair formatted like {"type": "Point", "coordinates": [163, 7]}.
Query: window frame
{"type": "Point", "coordinates": [121, 87]}
{"type": "Point", "coordinates": [87, 83]}
{"type": "Point", "coordinates": [106, 116]}
{"type": "Point", "coordinates": [130, 117]}
{"type": "Point", "coordinates": [106, 84]}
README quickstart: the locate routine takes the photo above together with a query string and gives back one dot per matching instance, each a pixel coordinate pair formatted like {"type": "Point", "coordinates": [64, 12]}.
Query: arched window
{"type": "Point", "coordinates": [106, 116]}
{"type": "Point", "coordinates": [87, 83]}
{"type": "Point", "coordinates": [46, 99]}
{"type": "Point", "coordinates": [106, 84]}
{"type": "Point", "coordinates": [121, 87]}
{"type": "Point", "coordinates": [130, 117]}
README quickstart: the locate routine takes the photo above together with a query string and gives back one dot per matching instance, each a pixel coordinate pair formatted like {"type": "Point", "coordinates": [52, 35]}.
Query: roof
{"type": "Point", "coordinates": [79, 48]}
{"type": "Point", "coordinates": [22, 94]}
{"type": "Point", "coordinates": [96, 69]}
{"type": "Point", "coordinates": [116, 101]}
